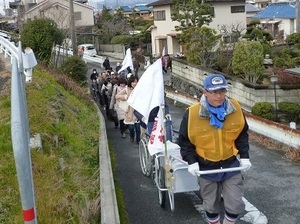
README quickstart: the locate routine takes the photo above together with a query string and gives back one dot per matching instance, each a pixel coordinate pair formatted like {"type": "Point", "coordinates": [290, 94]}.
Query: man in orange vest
{"type": "Point", "coordinates": [213, 135]}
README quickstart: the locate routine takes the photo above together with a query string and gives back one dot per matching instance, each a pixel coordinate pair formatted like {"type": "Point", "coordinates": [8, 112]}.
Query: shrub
{"type": "Point", "coordinates": [293, 38]}
{"type": "Point", "coordinates": [75, 68]}
{"type": "Point", "coordinates": [292, 110]}
{"type": "Point", "coordinates": [41, 35]}
{"type": "Point", "coordinates": [264, 110]}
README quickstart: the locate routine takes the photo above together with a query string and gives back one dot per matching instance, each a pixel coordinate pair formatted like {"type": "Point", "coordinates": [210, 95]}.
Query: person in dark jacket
{"type": "Point", "coordinates": [94, 80]}
{"type": "Point", "coordinates": [106, 64]}
{"type": "Point", "coordinates": [212, 135]}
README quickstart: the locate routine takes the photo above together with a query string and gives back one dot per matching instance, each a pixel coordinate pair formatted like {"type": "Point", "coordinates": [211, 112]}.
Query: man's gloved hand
{"type": "Point", "coordinates": [193, 168]}
{"type": "Point", "coordinates": [245, 163]}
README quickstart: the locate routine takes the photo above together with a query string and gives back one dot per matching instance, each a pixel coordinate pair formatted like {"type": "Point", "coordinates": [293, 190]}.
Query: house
{"type": "Point", "coordinates": [163, 33]}
{"type": "Point", "coordinates": [279, 19]}
{"type": "Point", "coordinates": [127, 11]}
{"type": "Point", "coordinates": [260, 4]}
{"type": "Point", "coordinates": [143, 11]}
{"type": "Point", "coordinates": [251, 10]}
{"type": "Point", "coordinates": [58, 10]}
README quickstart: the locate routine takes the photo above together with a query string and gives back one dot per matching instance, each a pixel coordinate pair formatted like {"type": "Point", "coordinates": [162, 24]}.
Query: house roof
{"type": "Point", "coordinates": [141, 8]}
{"type": "Point", "coordinates": [126, 8]}
{"type": "Point", "coordinates": [277, 10]}
{"type": "Point", "coordinates": [251, 8]}
{"type": "Point", "coordinates": [39, 5]}
{"type": "Point", "coordinates": [169, 2]}
{"type": "Point", "coordinates": [295, 71]}
{"type": "Point", "coordinates": [160, 2]}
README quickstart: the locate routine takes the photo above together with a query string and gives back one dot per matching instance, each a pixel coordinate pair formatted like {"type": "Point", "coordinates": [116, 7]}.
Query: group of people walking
{"type": "Point", "coordinates": [213, 135]}
{"type": "Point", "coordinates": [113, 89]}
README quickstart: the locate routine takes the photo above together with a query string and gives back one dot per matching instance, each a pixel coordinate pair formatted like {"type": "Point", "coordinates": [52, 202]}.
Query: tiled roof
{"type": "Point", "coordinates": [277, 10]}
{"type": "Point", "coordinates": [295, 71]}
{"type": "Point", "coordinates": [251, 8]}
{"type": "Point", "coordinates": [142, 8]}
{"type": "Point", "coordinates": [160, 2]}
{"type": "Point", "coordinates": [126, 8]}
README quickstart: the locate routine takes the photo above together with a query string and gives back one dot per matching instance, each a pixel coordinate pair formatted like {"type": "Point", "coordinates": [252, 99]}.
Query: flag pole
{"type": "Point", "coordinates": [166, 157]}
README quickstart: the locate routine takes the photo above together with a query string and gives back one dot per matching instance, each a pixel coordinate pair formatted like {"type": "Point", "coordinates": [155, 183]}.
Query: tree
{"type": "Point", "coordinates": [293, 39]}
{"type": "Point", "coordinates": [200, 48]}
{"type": "Point", "coordinates": [190, 13]}
{"type": "Point", "coordinates": [255, 32]}
{"type": "Point", "coordinates": [248, 59]}
{"type": "Point", "coordinates": [41, 35]}
{"type": "Point", "coordinates": [231, 35]}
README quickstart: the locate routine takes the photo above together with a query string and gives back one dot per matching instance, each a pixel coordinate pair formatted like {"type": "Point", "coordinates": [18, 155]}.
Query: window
{"type": "Point", "coordinates": [237, 9]}
{"type": "Point", "coordinates": [77, 15]}
{"type": "Point", "coordinates": [159, 15]}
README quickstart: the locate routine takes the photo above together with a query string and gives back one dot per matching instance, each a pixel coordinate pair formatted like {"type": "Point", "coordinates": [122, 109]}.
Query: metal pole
{"type": "Point", "coordinates": [297, 16]}
{"type": "Point", "coordinates": [72, 27]}
{"type": "Point", "coordinates": [276, 114]}
{"type": "Point", "coordinates": [21, 148]}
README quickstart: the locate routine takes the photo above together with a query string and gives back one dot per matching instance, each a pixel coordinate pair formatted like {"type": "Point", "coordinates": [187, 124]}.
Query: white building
{"type": "Point", "coordinates": [163, 34]}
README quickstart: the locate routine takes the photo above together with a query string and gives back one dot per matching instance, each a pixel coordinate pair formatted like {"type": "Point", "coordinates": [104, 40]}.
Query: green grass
{"type": "Point", "coordinates": [68, 195]}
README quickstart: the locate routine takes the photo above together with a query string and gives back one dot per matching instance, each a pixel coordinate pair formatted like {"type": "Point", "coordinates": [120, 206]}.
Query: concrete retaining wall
{"type": "Point", "coordinates": [188, 79]}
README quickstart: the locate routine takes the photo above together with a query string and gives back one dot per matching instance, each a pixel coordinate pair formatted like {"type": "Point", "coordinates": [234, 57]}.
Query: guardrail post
{"type": "Point", "coordinates": [29, 61]}
{"type": "Point", "coordinates": [20, 126]}
{"type": "Point", "coordinates": [21, 145]}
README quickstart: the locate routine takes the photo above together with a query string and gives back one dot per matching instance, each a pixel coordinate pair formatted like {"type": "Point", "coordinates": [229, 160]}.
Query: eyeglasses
{"type": "Point", "coordinates": [220, 92]}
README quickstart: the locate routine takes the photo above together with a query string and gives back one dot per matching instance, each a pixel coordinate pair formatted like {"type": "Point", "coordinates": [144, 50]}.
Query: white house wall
{"type": "Point", "coordinates": [223, 15]}
{"type": "Point", "coordinates": [163, 28]}
{"type": "Point", "coordinates": [60, 13]}
{"type": "Point", "coordinates": [287, 25]}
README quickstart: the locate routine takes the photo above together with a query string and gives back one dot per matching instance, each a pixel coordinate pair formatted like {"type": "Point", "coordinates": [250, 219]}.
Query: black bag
{"type": "Point", "coordinates": [113, 116]}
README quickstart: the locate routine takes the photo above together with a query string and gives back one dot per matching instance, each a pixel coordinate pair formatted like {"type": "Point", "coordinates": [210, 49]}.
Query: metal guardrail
{"type": "Point", "coordinates": [86, 58]}
{"type": "Point", "coordinates": [20, 125]}
{"type": "Point", "coordinates": [284, 134]}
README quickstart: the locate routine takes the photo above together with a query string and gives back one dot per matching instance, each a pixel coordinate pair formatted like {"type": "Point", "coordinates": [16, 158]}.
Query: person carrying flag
{"type": "Point", "coordinates": [211, 136]}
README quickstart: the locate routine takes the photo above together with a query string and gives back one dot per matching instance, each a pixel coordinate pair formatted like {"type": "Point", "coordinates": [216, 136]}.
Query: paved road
{"type": "Point", "coordinates": [272, 186]}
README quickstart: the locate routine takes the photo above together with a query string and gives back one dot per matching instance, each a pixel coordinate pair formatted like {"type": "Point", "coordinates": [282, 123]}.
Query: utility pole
{"type": "Point", "coordinates": [72, 27]}
{"type": "Point", "coordinates": [297, 17]}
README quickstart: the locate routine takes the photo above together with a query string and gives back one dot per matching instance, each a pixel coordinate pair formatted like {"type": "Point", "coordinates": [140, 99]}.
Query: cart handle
{"type": "Point", "coordinates": [221, 170]}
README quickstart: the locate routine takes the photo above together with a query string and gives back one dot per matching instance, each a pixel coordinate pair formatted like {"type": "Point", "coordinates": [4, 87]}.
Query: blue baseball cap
{"type": "Point", "coordinates": [214, 82]}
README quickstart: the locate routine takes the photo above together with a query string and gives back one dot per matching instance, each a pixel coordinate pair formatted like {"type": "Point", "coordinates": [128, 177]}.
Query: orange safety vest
{"type": "Point", "coordinates": [211, 143]}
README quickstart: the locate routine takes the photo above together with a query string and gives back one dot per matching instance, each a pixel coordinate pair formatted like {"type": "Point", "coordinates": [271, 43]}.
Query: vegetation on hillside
{"type": "Point", "coordinates": [41, 35]}
{"type": "Point", "coordinates": [64, 193]}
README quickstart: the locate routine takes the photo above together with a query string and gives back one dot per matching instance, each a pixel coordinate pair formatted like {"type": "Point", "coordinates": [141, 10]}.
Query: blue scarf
{"type": "Point", "coordinates": [217, 115]}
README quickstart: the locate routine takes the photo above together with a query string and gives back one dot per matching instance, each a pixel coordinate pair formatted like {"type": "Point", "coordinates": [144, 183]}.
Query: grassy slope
{"type": "Point", "coordinates": [69, 195]}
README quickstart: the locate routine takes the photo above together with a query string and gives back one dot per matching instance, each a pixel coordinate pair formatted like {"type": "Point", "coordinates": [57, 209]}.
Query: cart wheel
{"type": "Point", "coordinates": [172, 202]}
{"type": "Point", "coordinates": [162, 185]}
{"type": "Point", "coordinates": [145, 158]}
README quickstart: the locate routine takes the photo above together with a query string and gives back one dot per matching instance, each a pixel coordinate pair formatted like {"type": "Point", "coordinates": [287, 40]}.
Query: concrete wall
{"type": "Point", "coordinates": [189, 79]}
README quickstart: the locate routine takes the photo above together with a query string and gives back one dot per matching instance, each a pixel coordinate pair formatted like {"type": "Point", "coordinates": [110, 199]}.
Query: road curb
{"type": "Point", "coordinates": [109, 206]}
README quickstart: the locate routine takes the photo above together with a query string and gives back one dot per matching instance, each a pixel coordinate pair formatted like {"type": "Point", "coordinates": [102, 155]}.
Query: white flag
{"type": "Point", "coordinates": [127, 62]}
{"type": "Point", "coordinates": [163, 52]}
{"type": "Point", "coordinates": [156, 140]}
{"type": "Point", "coordinates": [149, 91]}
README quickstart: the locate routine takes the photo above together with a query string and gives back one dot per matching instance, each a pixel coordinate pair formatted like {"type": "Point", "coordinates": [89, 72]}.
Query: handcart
{"type": "Point", "coordinates": [146, 160]}
{"type": "Point", "coordinates": [173, 177]}
{"type": "Point", "coordinates": [178, 180]}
